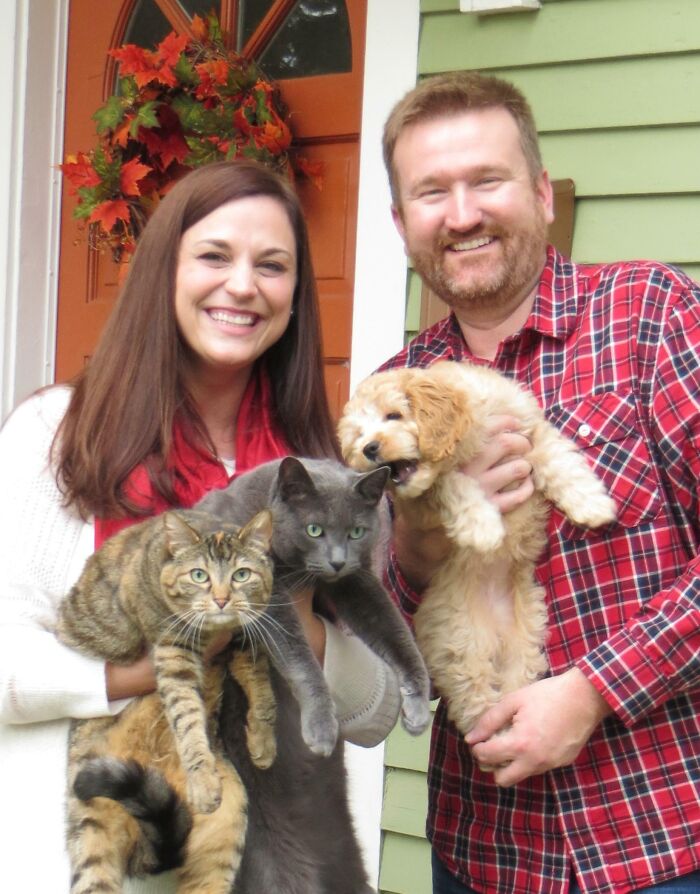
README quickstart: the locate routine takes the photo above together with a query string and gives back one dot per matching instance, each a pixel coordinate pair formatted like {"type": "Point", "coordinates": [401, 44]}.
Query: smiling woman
{"type": "Point", "coordinates": [233, 296]}
{"type": "Point", "coordinates": [201, 361]}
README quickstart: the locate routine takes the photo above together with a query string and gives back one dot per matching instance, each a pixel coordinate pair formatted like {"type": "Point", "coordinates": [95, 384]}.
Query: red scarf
{"type": "Point", "coordinates": [195, 471]}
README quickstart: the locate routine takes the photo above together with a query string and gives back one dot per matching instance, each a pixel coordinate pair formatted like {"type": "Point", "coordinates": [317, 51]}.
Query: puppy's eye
{"type": "Point", "coordinates": [392, 416]}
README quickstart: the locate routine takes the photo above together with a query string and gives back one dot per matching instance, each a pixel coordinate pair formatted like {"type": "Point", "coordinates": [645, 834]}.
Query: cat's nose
{"type": "Point", "coordinates": [222, 601]}
{"type": "Point", "coordinates": [338, 565]}
{"type": "Point", "coordinates": [371, 450]}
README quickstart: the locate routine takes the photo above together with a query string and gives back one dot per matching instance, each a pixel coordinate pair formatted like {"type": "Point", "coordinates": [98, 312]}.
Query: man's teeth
{"type": "Point", "coordinates": [222, 316]}
{"type": "Point", "coordinates": [472, 243]}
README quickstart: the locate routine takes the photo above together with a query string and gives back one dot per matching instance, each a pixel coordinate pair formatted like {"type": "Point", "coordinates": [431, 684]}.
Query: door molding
{"type": "Point", "coordinates": [33, 49]}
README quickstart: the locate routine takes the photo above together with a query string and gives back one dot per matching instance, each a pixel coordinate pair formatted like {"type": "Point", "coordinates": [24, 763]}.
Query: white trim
{"type": "Point", "coordinates": [30, 200]}
{"type": "Point", "coordinates": [379, 306]}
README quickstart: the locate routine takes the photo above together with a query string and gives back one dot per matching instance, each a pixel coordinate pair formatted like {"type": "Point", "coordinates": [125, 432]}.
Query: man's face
{"type": "Point", "coordinates": [471, 217]}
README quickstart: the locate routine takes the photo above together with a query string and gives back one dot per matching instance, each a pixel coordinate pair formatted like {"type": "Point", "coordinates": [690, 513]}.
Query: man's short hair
{"type": "Point", "coordinates": [452, 94]}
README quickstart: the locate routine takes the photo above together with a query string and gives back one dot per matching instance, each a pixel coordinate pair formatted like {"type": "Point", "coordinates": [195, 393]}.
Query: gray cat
{"type": "Point", "coordinates": [325, 525]}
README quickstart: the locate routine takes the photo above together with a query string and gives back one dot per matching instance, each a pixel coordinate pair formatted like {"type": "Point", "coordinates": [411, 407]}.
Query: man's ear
{"type": "Point", "coordinates": [398, 223]}
{"type": "Point", "coordinates": [545, 193]}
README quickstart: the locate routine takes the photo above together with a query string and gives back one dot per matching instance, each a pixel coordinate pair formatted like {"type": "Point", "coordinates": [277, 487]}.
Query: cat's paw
{"type": "Point", "coordinates": [203, 789]}
{"type": "Point", "coordinates": [415, 712]}
{"type": "Point", "coordinates": [320, 732]}
{"type": "Point", "coordinates": [262, 746]}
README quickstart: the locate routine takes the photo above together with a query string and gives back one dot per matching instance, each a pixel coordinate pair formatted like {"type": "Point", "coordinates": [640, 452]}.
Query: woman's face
{"type": "Point", "coordinates": [236, 274]}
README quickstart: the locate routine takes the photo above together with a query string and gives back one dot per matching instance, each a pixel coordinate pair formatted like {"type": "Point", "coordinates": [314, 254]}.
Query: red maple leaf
{"type": "Point", "coordinates": [273, 136]}
{"type": "Point", "coordinates": [131, 174]}
{"type": "Point", "coordinates": [169, 49]}
{"type": "Point", "coordinates": [211, 75]}
{"type": "Point", "coordinates": [106, 214]}
{"type": "Point", "coordinates": [78, 170]}
{"type": "Point", "coordinates": [164, 146]}
{"type": "Point", "coordinates": [311, 169]}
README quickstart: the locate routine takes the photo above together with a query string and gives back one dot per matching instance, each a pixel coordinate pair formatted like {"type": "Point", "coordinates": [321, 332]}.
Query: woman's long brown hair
{"type": "Point", "coordinates": [124, 403]}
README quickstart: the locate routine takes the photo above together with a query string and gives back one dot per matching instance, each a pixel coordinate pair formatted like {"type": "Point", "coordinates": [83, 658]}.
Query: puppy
{"type": "Point", "coordinates": [481, 623]}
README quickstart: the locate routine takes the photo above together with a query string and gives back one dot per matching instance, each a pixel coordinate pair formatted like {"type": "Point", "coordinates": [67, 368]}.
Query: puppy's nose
{"type": "Point", "coordinates": [371, 450]}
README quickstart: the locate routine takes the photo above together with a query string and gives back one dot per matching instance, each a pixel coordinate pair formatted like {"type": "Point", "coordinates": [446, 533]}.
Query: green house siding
{"type": "Point", "coordinates": [614, 86]}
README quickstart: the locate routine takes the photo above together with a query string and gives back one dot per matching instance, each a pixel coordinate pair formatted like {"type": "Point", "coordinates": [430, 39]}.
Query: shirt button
{"type": "Point", "coordinates": [584, 430]}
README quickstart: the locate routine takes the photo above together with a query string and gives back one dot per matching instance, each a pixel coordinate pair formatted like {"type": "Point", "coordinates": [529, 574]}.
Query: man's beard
{"type": "Point", "coordinates": [501, 285]}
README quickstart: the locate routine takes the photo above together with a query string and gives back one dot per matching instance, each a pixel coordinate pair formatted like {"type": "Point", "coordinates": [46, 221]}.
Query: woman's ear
{"type": "Point", "coordinates": [441, 413]}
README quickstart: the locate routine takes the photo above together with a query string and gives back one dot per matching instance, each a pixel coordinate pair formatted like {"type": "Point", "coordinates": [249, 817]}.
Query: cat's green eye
{"type": "Point", "coordinates": [240, 575]}
{"type": "Point", "coordinates": [356, 532]}
{"type": "Point", "coordinates": [199, 575]}
{"type": "Point", "coordinates": [314, 530]}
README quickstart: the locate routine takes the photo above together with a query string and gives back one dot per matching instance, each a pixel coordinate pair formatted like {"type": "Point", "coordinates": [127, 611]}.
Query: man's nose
{"type": "Point", "coordinates": [463, 209]}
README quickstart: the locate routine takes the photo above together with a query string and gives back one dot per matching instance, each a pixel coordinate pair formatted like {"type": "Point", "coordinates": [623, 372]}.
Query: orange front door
{"type": "Point", "coordinates": [326, 107]}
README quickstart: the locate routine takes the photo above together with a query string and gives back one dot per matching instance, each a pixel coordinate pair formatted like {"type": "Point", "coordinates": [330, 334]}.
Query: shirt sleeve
{"type": "Point", "coordinates": [43, 546]}
{"type": "Point", "coordinates": [365, 690]}
{"type": "Point", "coordinates": [656, 654]}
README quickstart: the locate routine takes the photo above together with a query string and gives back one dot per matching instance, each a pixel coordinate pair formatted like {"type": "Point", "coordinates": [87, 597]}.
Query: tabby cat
{"type": "Point", "coordinates": [325, 526]}
{"type": "Point", "coordinates": [172, 583]}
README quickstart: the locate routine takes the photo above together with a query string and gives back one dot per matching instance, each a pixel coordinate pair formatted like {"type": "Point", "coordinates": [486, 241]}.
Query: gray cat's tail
{"type": "Point", "coordinates": [163, 817]}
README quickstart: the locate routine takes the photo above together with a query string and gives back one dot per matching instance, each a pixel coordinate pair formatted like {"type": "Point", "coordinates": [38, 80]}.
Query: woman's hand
{"type": "Point", "coordinates": [313, 626]}
{"type": "Point", "coordinates": [126, 681]}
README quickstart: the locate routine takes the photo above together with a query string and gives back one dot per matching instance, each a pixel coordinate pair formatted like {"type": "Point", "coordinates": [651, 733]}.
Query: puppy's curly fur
{"type": "Point", "coordinates": [481, 624]}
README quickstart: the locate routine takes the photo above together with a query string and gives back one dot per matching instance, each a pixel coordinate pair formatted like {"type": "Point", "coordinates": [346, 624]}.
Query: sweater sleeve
{"type": "Point", "coordinates": [43, 546]}
{"type": "Point", "coordinates": [365, 690]}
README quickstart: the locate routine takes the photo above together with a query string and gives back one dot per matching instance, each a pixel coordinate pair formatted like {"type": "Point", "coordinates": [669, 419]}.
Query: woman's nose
{"type": "Point", "coordinates": [241, 280]}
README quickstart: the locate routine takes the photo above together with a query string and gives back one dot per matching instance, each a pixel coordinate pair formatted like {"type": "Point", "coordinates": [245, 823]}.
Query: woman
{"type": "Point", "coordinates": [210, 362]}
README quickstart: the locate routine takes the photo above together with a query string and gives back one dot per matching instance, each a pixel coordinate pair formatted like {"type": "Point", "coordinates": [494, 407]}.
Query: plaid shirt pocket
{"type": "Point", "coordinates": [607, 429]}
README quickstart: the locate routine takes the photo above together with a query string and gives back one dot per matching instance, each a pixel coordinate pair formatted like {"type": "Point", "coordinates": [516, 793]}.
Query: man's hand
{"type": "Point", "coordinates": [502, 472]}
{"type": "Point", "coordinates": [539, 727]}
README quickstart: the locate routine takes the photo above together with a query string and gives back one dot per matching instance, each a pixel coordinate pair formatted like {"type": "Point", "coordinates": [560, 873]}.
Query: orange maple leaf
{"type": "Point", "coordinates": [136, 61]}
{"type": "Point", "coordinates": [211, 75]}
{"type": "Point", "coordinates": [79, 171]}
{"type": "Point", "coordinates": [108, 213]}
{"type": "Point", "coordinates": [131, 175]}
{"type": "Point", "coordinates": [200, 29]}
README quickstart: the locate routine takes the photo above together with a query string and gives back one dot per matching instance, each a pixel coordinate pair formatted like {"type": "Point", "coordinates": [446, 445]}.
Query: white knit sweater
{"type": "Point", "coordinates": [43, 547]}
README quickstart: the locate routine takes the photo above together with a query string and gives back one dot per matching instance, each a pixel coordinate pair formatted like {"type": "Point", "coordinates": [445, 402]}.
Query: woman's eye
{"type": "Point", "coordinates": [356, 532]}
{"type": "Point", "coordinates": [199, 575]}
{"type": "Point", "coordinates": [392, 416]}
{"type": "Point", "coordinates": [212, 257]}
{"type": "Point", "coordinates": [314, 530]}
{"type": "Point", "coordinates": [240, 575]}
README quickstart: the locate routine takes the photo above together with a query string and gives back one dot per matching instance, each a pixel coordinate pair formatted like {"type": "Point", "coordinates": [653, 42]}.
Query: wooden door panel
{"type": "Point", "coordinates": [326, 122]}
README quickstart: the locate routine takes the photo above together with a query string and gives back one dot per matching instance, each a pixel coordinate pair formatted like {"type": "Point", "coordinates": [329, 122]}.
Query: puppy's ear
{"type": "Point", "coordinates": [442, 414]}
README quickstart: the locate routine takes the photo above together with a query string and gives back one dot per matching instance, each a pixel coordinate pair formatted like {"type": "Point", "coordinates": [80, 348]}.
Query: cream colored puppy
{"type": "Point", "coordinates": [481, 623]}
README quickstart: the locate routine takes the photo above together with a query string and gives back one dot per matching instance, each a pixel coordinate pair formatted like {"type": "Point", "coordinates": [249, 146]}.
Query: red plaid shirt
{"type": "Point", "coordinates": [612, 352]}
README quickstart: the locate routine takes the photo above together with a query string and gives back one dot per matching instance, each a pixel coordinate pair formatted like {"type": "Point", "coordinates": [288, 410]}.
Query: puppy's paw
{"type": "Point", "coordinates": [319, 730]}
{"type": "Point", "coordinates": [593, 511]}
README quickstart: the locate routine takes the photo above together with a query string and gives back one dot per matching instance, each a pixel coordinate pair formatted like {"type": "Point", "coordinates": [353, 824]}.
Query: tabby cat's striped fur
{"type": "Point", "coordinates": [170, 584]}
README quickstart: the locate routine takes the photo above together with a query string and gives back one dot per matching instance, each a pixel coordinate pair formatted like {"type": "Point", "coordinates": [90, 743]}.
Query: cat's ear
{"type": "Point", "coordinates": [293, 481]}
{"type": "Point", "coordinates": [371, 485]}
{"type": "Point", "coordinates": [258, 531]}
{"type": "Point", "coordinates": [178, 534]}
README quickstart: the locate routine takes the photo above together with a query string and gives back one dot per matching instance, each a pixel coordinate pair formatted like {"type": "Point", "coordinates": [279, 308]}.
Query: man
{"type": "Point", "coordinates": [598, 779]}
